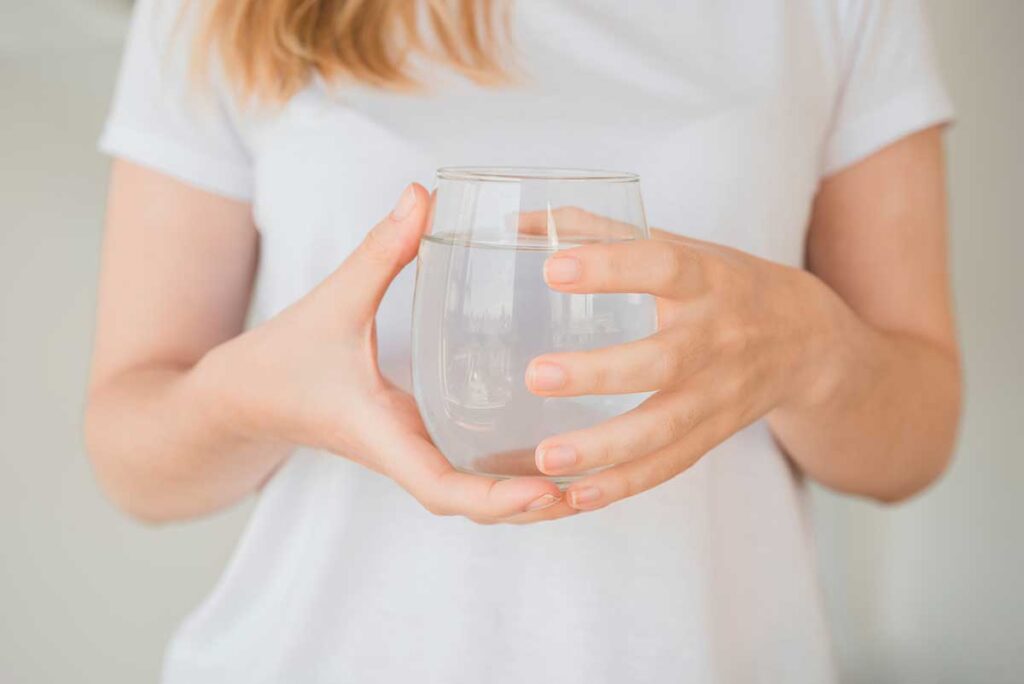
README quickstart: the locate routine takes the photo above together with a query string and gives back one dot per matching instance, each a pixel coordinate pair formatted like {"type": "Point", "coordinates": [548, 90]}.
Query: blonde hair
{"type": "Point", "coordinates": [271, 48]}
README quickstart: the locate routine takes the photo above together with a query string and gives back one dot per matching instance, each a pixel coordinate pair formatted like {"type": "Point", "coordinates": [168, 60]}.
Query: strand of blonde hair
{"type": "Point", "coordinates": [270, 49]}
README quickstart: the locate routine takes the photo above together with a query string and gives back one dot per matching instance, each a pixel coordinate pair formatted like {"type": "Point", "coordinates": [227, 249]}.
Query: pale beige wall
{"type": "Point", "coordinates": [926, 593]}
{"type": "Point", "coordinates": [85, 595]}
{"type": "Point", "coordinates": [932, 591]}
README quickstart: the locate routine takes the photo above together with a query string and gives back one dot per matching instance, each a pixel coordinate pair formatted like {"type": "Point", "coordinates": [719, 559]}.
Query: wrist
{"type": "Point", "coordinates": [225, 406]}
{"type": "Point", "coordinates": [831, 334]}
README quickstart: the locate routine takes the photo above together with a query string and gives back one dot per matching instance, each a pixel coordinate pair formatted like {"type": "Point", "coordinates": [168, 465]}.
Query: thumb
{"type": "Point", "coordinates": [365, 275]}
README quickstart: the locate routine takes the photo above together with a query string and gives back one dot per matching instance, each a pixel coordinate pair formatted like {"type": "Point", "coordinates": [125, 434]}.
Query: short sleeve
{"type": "Point", "coordinates": [163, 119]}
{"type": "Point", "coordinates": [889, 86]}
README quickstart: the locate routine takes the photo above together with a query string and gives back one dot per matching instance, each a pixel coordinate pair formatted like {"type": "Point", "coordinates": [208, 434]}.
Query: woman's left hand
{"type": "Point", "coordinates": [737, 337]}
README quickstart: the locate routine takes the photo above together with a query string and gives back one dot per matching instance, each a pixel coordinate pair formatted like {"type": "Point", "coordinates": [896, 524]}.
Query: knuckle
{"type": "Point", "coordinates": [627, 487]}
{"type": "Point", "coordinates": [662, 470]}
{"type": "Point", "coordinates": [525, 521]}
{"type": "Point", "coordinates": [679, 422]}
{"type": "Point", "coordinates": [665, 266]}
{"type": "Point", "coordinates": [680, 260]}
{"type": "Point", "coordinates": [673, 263]}
{"type": "Point", "coordinates": [668, 363]}
{"type": "Point", "coordinates": [480, 520]}
{"type": "Point", "coordinates": [735, 389]}
{"type": "Point", "coordinates": [601, 452]}
{"type": "Point", "coordinates": [378, 244]}
{"type": "Point", "coordinates": [705, 272]}
{"type": "Point", "coordinates": [574, 214]}
{"type": "Point", "coordinates": [430, 508]}
{"type": "Point", "coordinates": [730, 333]}
{"type": "Point", "coordinates": [604, 263]}
{"type": "Point", "coordinates": [571, 219]}
{"type": "Point", "coordinates": [721, 275]}
{"type": "Point", "coordinates": [597, 375]}
{"type": "Point", "coordinates": [435, 507]}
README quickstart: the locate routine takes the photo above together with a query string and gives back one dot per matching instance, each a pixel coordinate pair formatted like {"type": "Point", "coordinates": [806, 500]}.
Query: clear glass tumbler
{"type": "Point", "coordinates": [482, 309]}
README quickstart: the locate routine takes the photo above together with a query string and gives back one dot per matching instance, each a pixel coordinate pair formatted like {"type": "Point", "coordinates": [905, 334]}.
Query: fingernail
{"type": "Point", "coordinates": [583, 496]}
{"type": "Point", "coordinates": [406, 203]}
{"type": "Point", "coordinates": [562, 269]}
{"type": "Point", "coordinates": [557, 458]}
{"type": "Point", "coordinates": [546, 376]}
{"type": "Point", "coordinates": [542, 502]}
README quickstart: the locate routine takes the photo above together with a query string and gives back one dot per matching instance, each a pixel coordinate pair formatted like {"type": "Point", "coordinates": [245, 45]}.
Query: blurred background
{"type": "Point", "coordinates": [930, 591]}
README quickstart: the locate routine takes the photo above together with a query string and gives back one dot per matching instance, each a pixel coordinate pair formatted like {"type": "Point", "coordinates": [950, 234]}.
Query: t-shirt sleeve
{"type": "Point", "coordinates": [165, 119]}
{"type": "Point", "coordinates": [889, 86]}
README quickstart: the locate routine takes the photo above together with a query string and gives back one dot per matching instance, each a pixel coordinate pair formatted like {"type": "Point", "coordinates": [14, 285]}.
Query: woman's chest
{"type": "Point", "coordinates": [728, 150]}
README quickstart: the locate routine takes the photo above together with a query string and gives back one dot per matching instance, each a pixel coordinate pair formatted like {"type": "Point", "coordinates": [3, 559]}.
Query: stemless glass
{"type": "Point", "coordinates": [482, 310]}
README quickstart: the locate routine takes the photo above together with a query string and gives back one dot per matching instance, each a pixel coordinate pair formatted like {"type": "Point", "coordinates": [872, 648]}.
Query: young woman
{"type": "Point", "coordinates": [790, 150]}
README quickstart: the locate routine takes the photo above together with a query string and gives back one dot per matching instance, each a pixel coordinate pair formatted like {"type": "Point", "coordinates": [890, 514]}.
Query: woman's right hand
{"type": "Point", "coordinates": [309, 376]}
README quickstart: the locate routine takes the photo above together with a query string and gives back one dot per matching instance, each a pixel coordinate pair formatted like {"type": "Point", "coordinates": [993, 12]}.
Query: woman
{"type": "Point", "coordinates": [792, 154]}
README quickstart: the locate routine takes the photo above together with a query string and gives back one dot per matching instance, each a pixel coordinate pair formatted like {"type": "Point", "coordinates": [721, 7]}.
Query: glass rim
{"type": "Point", "coordinates": [519, 174]}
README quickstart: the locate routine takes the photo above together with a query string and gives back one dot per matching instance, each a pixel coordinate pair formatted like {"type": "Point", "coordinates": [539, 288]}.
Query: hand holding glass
{"type": "Point", "coordinates": [483, 310]}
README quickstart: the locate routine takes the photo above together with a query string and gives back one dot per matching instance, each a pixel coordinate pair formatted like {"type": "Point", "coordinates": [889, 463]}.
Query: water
{"type": "Point", "coordinates": [482, 312]}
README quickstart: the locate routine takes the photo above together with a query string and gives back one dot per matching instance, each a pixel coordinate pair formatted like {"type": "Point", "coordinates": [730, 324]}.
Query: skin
{"type": "Point", "coordinates": [187, 414]}
{"type": "Point", "coordinates": [854, 363]}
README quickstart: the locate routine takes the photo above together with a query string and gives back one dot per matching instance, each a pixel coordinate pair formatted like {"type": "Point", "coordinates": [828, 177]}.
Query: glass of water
{"type": "Point", "coordinates": [482, 310]}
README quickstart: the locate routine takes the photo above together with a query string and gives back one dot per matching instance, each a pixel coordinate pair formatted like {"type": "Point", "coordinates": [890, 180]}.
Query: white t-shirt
{"type": "Point", "coordinates": [731, 112]}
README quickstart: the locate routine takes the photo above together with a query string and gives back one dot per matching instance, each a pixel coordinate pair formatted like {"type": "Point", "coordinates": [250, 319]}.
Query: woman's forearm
{"type": "Point", "coordinates": [886, 425]}
{"type": "Point", "coordinates": [187, 413]}
{"type": "Point", "coordinates": [162, 450]}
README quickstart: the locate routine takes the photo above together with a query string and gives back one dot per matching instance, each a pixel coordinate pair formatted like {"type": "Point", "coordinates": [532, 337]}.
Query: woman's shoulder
{"type": "Point", "coordinates": [169, 115]}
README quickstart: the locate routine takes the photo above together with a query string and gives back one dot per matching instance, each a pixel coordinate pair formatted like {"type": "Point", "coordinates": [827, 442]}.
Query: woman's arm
{"type": "Point", "coordinates": [177, 270]}
{"type": "Point", "coordinates": [187, 414]}
{"type": "Point", "coordinates": [887, 423]}
{"type": "Point", "coordinates": [855, 365]}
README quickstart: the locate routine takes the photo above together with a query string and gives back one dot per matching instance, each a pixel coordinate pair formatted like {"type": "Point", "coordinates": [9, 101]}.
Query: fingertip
{"type": "Point", "coordinates": [585, 497]}
{"type": "Point", "coordinates": [546, 500]}
{"type": "Point", "coordinates": [544, 376]}
{"type": "Point", "coordinates": [556, 458]}
{"type": "Point", "coordinates": [411, 204]}
{"type": "Point", "coordinates": [410, 219]}
{"type": "Point", "coordinates": [562, 269]}
{"type": "Point", "coordinates": [530, 491]}
{"type": "Point", "coordinates": [423, 196]}
{"type": "Point", "coordinates": [406, 204]}
{"type": "Point", "coordinates": [556, 511]}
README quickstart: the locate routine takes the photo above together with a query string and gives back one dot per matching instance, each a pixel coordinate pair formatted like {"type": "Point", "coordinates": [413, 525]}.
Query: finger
{"type": "Point", "coordinates": [361, 281]}
{"type": "Point", "coordinates": [631, 478]}
{"type": "Point", "coordinates": [519, 463]}
{"type": "Point", "coordinates": [512, 463]}
{"type": "Point", "coordinates": [662, 420]}
{"type": "Point", "coordinates": [442, 490]}
{"type": "Point", "coordinates": [658, 362]}
{"type": "Point", "coordinates": [572, 223]}
{"type": "Point", "coordinates": [560, 509]}
{"type": "Point", "coordinates": [553, 510]}
{"type": "Point", "coordinates": [665, 268]}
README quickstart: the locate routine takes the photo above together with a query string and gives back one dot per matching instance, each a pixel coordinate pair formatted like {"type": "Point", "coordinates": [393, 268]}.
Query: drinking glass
{"type": "Point", "coordinates": [482, 310]}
